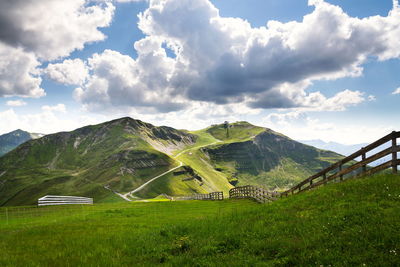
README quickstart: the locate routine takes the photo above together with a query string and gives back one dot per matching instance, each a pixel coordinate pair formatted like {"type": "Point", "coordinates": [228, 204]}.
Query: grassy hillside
{"type": "Point", "coordinates": [355, 223]}
{"type": "Point", "coordinates": [177, 183]}
{"type": "Point", "coordinates": [255, 155]}
{"type": "Point", "coordinates": [120, 155]}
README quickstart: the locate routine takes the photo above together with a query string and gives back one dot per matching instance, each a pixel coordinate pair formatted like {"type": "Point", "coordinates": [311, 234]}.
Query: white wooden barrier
{"type": "Point", "coordinates": [63, 200]}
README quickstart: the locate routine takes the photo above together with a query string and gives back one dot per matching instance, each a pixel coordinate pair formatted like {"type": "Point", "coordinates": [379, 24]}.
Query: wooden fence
{"type": "Point", "coordinates": [210, 196]}
{"type": "Point", "coordinates": [250, 191]}
{"type": "Point", "coordinates": [337, 171]}
{"type": "Point", "coordinates": [63, 200]}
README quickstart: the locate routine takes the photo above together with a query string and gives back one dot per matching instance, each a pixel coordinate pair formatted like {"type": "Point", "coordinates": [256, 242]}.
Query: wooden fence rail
{"type": "Point", "coordinates": [250, 191]}
{"type": "Point", "coordinates": [63, 200]}
{"type": "Point", "coordinates": [338, 170]}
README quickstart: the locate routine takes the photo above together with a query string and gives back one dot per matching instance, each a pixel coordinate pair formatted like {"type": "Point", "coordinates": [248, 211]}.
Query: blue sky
{"type": "Point", "coordinates": [322, 70]}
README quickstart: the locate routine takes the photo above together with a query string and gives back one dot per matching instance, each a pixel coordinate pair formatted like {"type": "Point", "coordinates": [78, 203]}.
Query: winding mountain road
{"type": "Point", "coordinates": [152, 179]}
{"type": "Point", "coordinates": [129, 194]}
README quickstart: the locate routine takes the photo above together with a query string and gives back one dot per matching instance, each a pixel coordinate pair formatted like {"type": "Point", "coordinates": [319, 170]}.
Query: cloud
{"type": "Point", "coordinates": [371, 98]}
{"type": "Point", "coordinates": [338, 102]}
{"type": "Point", "coordinates": [53, 28]}
{"type": "Point", "coordinates": [19, 73]}
{"type": "Point", "coordinates": [301, 126]}
{"type": "Point", "coordinates": [70, 71]}
{"type": "Point", "coordinates": [199, 115]}
{"type": "Point", "coordinates": [15, 103]}
{"type": "Point", "coordinates": [396, 92]}
{"type": "Point", "coordinates": [43, 122]}
{"type": "Point", "coordinates": [58, 108]}
{"type": "Point", "coordinates": [295, 96]}
{"type": "Point", "coordinates": [117, 80]}
{"type": "Point", "coordinates": [225, 60]}
{"type": "Point", "coordinates": [33, 32]}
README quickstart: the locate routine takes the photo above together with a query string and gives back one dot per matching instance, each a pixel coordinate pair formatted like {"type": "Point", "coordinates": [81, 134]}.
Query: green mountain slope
{"type": "Point", "coordinates": [11, 140]}
{"type": "Point", "coordinates": [119, 155]}
{"type": "Point", "coordinates": [256, 155]}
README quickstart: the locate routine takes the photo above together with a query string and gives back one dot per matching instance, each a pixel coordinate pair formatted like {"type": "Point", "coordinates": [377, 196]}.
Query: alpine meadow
{"type": "Point", "coordinates": [199, 133]}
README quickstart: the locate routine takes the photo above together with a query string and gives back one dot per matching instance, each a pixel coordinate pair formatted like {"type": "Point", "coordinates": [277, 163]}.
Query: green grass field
{"type": "Point", "coordinates": [355, 223]}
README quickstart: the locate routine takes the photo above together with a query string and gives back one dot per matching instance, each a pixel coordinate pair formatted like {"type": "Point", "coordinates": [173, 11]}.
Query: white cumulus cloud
{"type": "Point", "coordinates": [57, 108]}
{"type": "Point", "coordinates": [225, 60]}
{"type": "Point", "coordinates": [15, 103]}
{"type": "Point", "coordinates": [19, 73]}
{"type": "Point", "coordinates": [117, 80]}
{"type": "Point", "coordinates": [33, 32]}
{"type": "Point", "coordinates": [396, 92]}
{"type": "Point", "coordinates": [53, 28]}
{"type": "Point", "coordinates": [70, 71]}
{"type": "Point", "coordinates": [44, 122]}
{"type": "Point", "coordinates": [301, 125]}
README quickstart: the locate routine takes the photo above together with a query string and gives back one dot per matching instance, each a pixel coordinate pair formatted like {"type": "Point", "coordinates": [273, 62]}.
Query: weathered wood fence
{"type": "Point", "coordinates": [209, 196]}
{"type": "Point", "coordinates": [337, 171]}
{"type": "Point", "coordinates": [250, 191]}
{"type": "Point", "coordinates": [63, 200]}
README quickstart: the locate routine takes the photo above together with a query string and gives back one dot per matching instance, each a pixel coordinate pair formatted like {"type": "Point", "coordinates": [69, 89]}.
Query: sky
{"type": "Point", "coordinates": [313, 69]}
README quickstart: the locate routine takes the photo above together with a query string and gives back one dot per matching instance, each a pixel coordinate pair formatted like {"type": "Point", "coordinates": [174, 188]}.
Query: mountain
{"type": "Point", "coordinates": [113, 160]}
{"type": "Point", "coordinates": [261, 156]}
{"type": "Point", "coordinates": [119, 155]}
{"type": "Point", "coordinates": [13, 139]}
{"type": "Point", "coordinates": [333, 146]}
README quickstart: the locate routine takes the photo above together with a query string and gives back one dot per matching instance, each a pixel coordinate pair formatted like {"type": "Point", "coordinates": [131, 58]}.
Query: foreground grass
{"type": "Point", "coordinates": [355, 223]}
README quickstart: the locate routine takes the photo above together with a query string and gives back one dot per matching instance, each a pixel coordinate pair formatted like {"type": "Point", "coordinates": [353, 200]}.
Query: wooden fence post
{"type": "Point", "coordinates": [394, 153]}
{"type": "Point", "coordinates": [364, 167]}
{"type": "Point", "coordinates": [340, 169]}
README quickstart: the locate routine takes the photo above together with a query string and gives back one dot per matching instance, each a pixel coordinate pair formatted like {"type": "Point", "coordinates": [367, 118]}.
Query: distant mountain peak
{"type": "Point", "coordinates": [11, 140]}
{"type": "Point", "coordinates": [334, 146]}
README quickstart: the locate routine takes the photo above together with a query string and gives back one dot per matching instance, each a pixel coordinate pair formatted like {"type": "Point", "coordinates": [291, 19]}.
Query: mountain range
{"type": "Point", "coordinates": [129, 159]}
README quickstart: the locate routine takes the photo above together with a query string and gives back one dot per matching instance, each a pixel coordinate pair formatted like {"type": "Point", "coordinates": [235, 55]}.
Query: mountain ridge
{"type": "Point", "coordinates": [115, 157]}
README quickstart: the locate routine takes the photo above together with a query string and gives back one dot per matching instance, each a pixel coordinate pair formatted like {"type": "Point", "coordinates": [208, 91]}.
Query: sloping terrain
{"type": "Point", "coordinates": [119, 155]}
{"type": "Point", "coordinates": [108, 161]}
{"type": "Point", "coordinates": [354, 223]}
{"type": "Point", "coordinates": [11, 140]}
{"type": "Point", "coordinates": [256, 155]}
